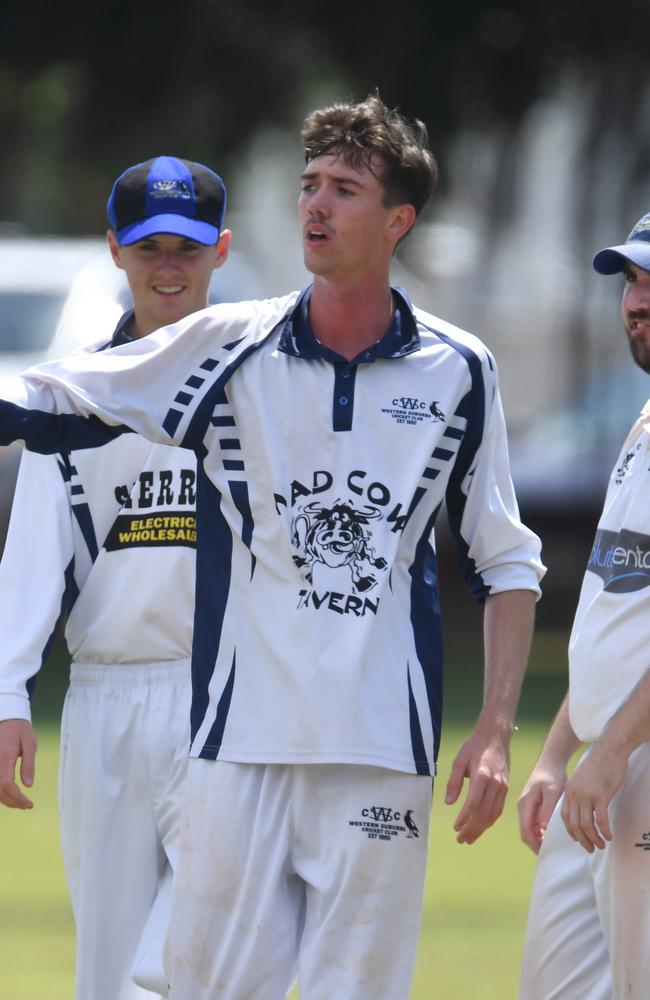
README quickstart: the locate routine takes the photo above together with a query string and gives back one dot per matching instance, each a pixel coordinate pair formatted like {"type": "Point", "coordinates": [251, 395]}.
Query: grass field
{"type": "Point", "coordinates": [475, 902]}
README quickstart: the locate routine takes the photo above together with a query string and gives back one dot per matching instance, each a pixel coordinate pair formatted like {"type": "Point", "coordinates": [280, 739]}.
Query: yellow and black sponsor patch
{"type": "Point", "coordinates": [133, 530]}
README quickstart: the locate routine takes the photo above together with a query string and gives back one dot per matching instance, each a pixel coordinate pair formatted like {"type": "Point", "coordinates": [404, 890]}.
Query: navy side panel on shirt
{"type": "Point", "coordinates": [472, 409]}
{"type": "Point", "coordinates": [68, 598]}
{"type": "Point", "coordinates": [427, 635]}
{"type": "Point", "coordinates": [212, 587]}
{"type": "Point", "coordinates": [202, 417]}
{"type": "Point", "coordinates": [80, 509]}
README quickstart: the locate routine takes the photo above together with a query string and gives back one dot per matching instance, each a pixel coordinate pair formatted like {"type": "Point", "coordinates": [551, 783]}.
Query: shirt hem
{"type": "Point", "coordinates": [261, 757]}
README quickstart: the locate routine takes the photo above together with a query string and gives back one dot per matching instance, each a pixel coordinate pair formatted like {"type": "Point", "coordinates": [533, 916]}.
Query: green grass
{"type": "Point", "coordinates": [36, 927]}
{"type": "Point", "coordinates": [475, 899]}
{"type": "Point", "coordinates": [476, 896]}
{"type": "Point", "coordinates": [474, 914]}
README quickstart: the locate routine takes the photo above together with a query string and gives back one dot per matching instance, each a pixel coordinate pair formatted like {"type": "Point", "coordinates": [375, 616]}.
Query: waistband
{"type": "Point", "coordinates": [158, 672]}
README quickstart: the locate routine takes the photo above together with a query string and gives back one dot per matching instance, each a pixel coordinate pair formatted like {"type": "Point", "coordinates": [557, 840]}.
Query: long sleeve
{"type": "Point", "coordinates": [496, 551]}
{"type": "Point", "coordinates": [35, 576]}
{"type": "Point", "coordinates": [162, 386]}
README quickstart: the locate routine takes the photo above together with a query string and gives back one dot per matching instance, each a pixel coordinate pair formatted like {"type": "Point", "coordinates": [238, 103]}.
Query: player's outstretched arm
{"type": "Point", "coordinates": [547, 780]}
{"type": "Point", "coordinates": [17, 742]}
{"type": "Point", "coordinates": [484, 758]}
{"type": "Point", "coordinates": [163, 386]}
{"type": "Point", "coordinates": [601, 773]}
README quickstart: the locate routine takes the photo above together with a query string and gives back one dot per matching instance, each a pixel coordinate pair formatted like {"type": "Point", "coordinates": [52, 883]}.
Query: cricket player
{"type": "Point", "coordinates": [588, 935]}
{"type": "Point", "coordinates": [106, 539]}
{"type": "Point", "coordinates": [330, 425]}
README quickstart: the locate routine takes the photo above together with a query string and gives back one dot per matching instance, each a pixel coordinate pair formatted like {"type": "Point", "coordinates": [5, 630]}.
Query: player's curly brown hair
{"type": "Point", "coordinates": [361, 132]}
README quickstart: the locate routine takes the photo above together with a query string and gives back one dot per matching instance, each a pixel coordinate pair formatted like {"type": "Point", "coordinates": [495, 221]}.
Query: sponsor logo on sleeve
{"type": "Point", "coordinates": [621, 559]}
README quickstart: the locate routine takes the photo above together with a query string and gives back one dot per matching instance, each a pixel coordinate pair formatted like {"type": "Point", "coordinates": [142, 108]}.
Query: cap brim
{"type": "Point", "coordinates": [174, 225]}
{"type": "Point", "coordinates": [612, 260]}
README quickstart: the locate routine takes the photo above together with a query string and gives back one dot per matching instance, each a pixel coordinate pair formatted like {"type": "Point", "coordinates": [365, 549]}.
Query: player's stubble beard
{"type": "Point", "coordinates": [639, 342]}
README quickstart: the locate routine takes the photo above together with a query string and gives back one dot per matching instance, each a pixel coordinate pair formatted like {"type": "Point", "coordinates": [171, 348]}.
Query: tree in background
{"type": "Point", "coordinates": [88, 87]}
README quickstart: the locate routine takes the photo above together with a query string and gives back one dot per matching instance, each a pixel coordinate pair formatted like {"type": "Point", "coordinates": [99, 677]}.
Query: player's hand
{"type": "Point", "coordinates": [536, 803]}
{"type": "Point", "coordinates": [484, 759]}
{"type": "Point", "coordinates": [17, 740]}
{"type": "Point", "coordinates": [587, 795]}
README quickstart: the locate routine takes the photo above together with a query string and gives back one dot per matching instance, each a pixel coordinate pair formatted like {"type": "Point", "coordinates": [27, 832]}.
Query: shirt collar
{"type": "Point", "coordinates": [401, 338]}
{"type": "Point", "coordinates": [120, 334]}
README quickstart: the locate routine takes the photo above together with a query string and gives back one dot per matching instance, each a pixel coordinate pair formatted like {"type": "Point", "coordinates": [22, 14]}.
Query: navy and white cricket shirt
{"type": "Point", "coordinates": [104, 538]}
{"type": "Point", "coordinates": [608, 649]}
{"type": "Point", "coordinates": [317, 627]}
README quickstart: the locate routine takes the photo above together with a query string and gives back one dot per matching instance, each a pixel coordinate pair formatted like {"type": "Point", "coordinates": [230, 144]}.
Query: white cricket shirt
{"type": "Point", "coordinates": [317, 628]}
{"type": "Point", "coordinates": [106, 539]}
{"type": "Point", "coordinates": [608, 648]}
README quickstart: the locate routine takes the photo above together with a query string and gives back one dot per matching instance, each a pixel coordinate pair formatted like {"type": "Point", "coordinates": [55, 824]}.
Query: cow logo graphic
{"type": "Point", "coordinates": [336, 538]}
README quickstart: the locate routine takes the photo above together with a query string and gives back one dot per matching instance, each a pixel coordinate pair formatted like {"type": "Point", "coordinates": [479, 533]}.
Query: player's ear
{"type": "Point", "coordinates": [401, 221]}
{"type": "Point", "coordinates": [114, 248]}
{"type": "Point", "coordinates": [222, 247]}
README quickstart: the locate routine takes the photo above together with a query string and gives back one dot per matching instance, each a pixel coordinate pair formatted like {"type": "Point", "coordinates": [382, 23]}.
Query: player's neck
{"type": "Point", "coordinates": [349, 319]}
{"type": "Point", "coordinates": [136, 330]}
{"type": "Point", "coordinates": [143, 323]}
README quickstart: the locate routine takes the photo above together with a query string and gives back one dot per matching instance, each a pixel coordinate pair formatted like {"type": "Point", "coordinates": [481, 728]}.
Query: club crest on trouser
{"type": "Point", "coordinates": [411, 824]}
{"type": "Point", "coordinates": [385, 823]}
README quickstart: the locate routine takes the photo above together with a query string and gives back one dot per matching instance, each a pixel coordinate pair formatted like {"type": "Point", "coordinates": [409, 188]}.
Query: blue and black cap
{"type": "Point", "coordinates": [167, 195]}
{"type": "Point", "coordinates": [636, 249]}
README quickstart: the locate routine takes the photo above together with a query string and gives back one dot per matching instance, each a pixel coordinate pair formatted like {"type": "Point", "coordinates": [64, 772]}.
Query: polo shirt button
{"type": "Point", "coordinates": [343, 400]}
{"type": "Point", "coordinates": [346, 373]}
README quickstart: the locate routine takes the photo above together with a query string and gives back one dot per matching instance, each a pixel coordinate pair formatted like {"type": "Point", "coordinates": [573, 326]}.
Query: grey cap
{"type": "Point", "coordinates": [636, 249]}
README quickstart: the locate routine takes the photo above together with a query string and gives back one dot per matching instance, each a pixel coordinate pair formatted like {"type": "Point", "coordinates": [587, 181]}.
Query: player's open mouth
{"type": "Point", "coordinates": [316, 236]}
{"type": "Point", "coordinates": [168, 289]}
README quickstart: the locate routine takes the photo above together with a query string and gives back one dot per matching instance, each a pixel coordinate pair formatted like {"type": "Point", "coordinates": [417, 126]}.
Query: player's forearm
{"type": "Point", "coordinates": [561, 742]}
{"type": "Point", "coordinates": [630, 724]}
{"type": "Point", "coordinates": [508, 629]}
{"type": "Point", "coordinates": [600, 774]}
{"type": "Point", "coordinates": [484, 757]}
